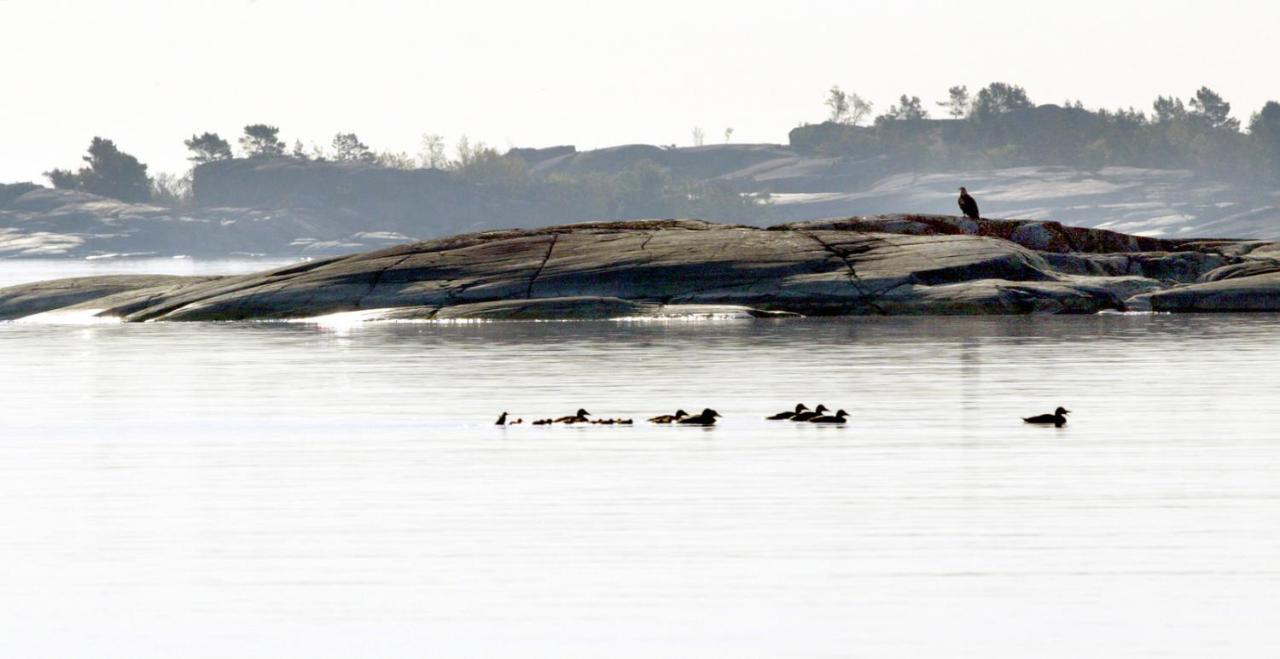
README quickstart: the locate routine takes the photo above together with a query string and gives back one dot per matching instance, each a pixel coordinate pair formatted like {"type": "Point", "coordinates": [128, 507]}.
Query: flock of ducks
{"type": "Point", "coordinates": [801, 414]}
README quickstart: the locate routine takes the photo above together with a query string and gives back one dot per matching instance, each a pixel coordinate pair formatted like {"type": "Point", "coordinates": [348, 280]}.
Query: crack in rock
{"type": "Point", "coordinates": [528, 292]}
{"type": "Point", "coordinates": [868, 299]}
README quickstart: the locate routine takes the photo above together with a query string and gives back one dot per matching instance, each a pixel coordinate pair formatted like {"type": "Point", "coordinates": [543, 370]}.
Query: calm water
{"type": "Point", "coordinates": [339, 491]}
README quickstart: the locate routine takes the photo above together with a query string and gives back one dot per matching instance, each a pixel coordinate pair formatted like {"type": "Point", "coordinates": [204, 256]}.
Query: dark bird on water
{"type": "Point", "coordinates": [502, 419]}
{"type": "Point", "coordinates": [707, 418]}
{"type": "Point", "coordinates": [968, 205]}
{"type": "Point", "coordinates": [805, 416]}
{"type": "Point", "coordinates": [580, 417]}
{"type": "Point", "coordinates": [838, 417]}
{"type": "Point", "coordinates": [782, 416]}
{"type": "Point", "coordinates": [669, 418]}
{"type": "Point", "coordinates": [1058, 418]}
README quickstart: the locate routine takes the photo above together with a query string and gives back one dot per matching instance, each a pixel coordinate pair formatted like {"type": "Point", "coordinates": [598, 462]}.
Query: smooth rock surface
{"type": "Point", "coordinates": [648, 268]}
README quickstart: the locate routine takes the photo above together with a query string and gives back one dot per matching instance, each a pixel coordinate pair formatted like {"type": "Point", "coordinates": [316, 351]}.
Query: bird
{"type": "Point", "coordinates": [516, 422]}
{"type": "Point", "coordinates": [580, 417]}
{"type": "Point", "coordinates": [669, 418]}
{"type": "Point", "coordinates": [707, 418]}
{"type": "Point", "coordinates": [805, 416]}
{"type": "Point", "coordinates": [838, 417]}
{"type": "Point", "coordinates": [1058, 418]}
{"type": "Point", "coordinates": [968, 205]}
{"type": "Point", "coordinates": [543, 422]}
{"type": "Point", "coordinates": [782, 416]}
{"type": "Point", "coordinates": [502, 419]}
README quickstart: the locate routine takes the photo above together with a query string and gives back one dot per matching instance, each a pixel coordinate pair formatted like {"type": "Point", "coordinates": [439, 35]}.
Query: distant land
{"type": "Point", "coordinates": [1188, 171]}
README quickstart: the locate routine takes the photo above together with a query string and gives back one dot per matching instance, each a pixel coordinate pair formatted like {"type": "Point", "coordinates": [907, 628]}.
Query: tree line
{"type": "Point", "coordinates": [1000, 126]}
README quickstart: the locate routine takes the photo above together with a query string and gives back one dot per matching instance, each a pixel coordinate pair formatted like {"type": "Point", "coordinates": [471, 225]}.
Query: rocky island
{"type": "Point", "coordinates": [881, 265]}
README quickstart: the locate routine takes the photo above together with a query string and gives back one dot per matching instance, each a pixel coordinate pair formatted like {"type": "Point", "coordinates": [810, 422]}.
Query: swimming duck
{"type": "Point", "coordinates": [516, 422]}
{"type": "Point", "coordinates": [782, 416]}
{"type": "Point", "coordinates": [580, 417]}
{"type": "Point", "coordinates": [1058, 418]}
{"type": "Point", "coordinates": [707, 418]}
{"type": "Point", "coordinates": [502, 419]}
{"type": "Point", "coordinates": [543, 422]}
{"type": "Point", "coordinates": [805, 416]}
{"type": "Point", "coordinates": [603, 422]}
{"type": "Point", "coordinates": [669, 418]}
{"type": "Point", "coordinates": [838, 417]}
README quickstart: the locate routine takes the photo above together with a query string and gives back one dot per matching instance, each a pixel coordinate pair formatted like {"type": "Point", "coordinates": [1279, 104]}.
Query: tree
{"type": "Point", "coordinates": [1264, 132]}
{"type": "Point", "coordinates": [1209, 108]}
{"type": "Point", "coordinates": [699, 136]}
{"type": "Point", "coordinates": [432, 153]}
{"type": "Point", "coordinates": [261, 141]}
{"type": "Point", "coordinates": [907, 109]}
{"type": "Point", "coordinates": [207, 147]}
{"type": "Point", "coordinates": [728, 135]}
{"type": "Point", "coordinates": [1168, 109]}
{"type": "Point", "coordinates": [299, 151]}
{"type": "Point", "coordinates": [998, 98]}
{"type": "Point", "coordinates": [957, 103]}
{"type": "Point", "coordinates": [348, 148]}
{"type": "Point", "coordinates": [847, 108]}
{"type": "Point", "coordinates": [110, 173]}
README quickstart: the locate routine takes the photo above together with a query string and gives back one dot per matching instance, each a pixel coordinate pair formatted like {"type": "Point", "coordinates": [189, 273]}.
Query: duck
{"type": "Point", "coordinates": [580, 417]}
{"type": "Point", "coordinates": [516, 422]}
{"type": "Point", "coordinates": [838, 417]}
{"type": "Point", "coordinates": [502, 419]}
{"type": "Point", "coordinates": [783, 416]}
{"type": "Point", "coordinates": [604, 422]}
{"type": "Point", "coordinates": [1058, 418]}
{"type": "Point", "coordinates": [543, 422]}
{"type": "Point", "coordinates": [669, 418]}
{"type": "Point", "coordinates": [805, 416]}
{"type": "Point", "coordinates": [707, 418]}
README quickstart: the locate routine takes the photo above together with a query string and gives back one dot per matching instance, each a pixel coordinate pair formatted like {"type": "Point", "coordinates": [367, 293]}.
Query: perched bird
{"type": "Point", "coordinates": [968, 205]}
{"type": "Point", "coordinates": [1058, 418]}
{"type": "Point", "coordinates": [580, 417]}
{"type": "Point", "coordinates": [669, 418]}
{"type": "Point", "coordinates": [805, 416]}
{"type": "Point", "coordinates": [707, 418]}
{"type": "Point", "coordinates": [838, 417]}
{"type": "Point", "coordinates": [782, 416]}
{"type": "Point", "coordinates": [502, 419]}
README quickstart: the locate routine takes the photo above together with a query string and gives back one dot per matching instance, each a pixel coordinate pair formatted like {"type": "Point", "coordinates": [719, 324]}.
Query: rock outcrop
{"type": "Point", "coordinates": [884, 265]}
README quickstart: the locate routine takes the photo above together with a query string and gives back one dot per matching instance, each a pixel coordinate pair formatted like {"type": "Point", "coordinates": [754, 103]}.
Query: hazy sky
{"type": "Point", "coordinates": [149, 73]}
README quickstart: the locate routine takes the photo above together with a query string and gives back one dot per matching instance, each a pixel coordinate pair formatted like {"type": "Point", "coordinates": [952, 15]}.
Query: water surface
{"type": "Point", "coordinates": [288, 489]}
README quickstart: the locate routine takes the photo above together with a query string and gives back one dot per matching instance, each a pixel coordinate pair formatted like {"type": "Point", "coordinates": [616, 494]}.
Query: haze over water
{"type": "Point", "coordinates": [340, 490]}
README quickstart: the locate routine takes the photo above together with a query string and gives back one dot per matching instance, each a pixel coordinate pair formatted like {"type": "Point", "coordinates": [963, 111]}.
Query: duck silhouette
{"type": "Point", "coordinates": [783, 416]}
{"type": "Point", "coordinates": [1058, 418]}
{"type": "Point", "coordinates": [805, 416]}
{"type": "Point", "coordinates": [580, 417]}
{"type": "Point", "coordinates": [838, 417]}
{"type": "Point", "coordinates": [502, 419]}
{"type": "Point", "coordinates": [669, 418]}
{"type": "Point", "coordinates": [707, 418]}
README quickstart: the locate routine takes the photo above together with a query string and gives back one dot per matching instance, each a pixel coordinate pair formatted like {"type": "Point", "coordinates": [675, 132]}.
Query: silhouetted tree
{"type": "Point", "coordinates": [208, 147]}
{"type": "Point", "coordinates": [110, 173]}
{"type": "Point", "coordinates": [432, 153]}
{"type": "Point", "coordinates": [347, 147]}
{"type": "Point", "coordinates": [261, 141]}
{"type": "Point", "coordinates": [998, 98]}
{"type": "Point", "coordinates": [907, 109]}
{"type": "Point", "coordinates": [1264, 132]}
{"type": "Point", "coordinates": [957, 103]}
{"type": "Point", "coordinates": [1168, 109]}
{"type": "Point", "coordinates": [847, 108]}
{"type": "Point", "coordinates": [1209, 108]}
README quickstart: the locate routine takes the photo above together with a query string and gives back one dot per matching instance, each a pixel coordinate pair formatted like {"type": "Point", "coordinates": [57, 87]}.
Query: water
{"type": "Point", "coordinates": [290, 489]}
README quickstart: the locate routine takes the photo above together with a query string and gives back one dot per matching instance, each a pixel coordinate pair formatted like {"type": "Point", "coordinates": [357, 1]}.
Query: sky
{"type": "Point", "coordinates": [150, 73]}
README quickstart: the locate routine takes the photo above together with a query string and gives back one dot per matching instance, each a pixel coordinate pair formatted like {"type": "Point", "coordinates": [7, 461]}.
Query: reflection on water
{"type": "Point", "coordinates": [289, 489]}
